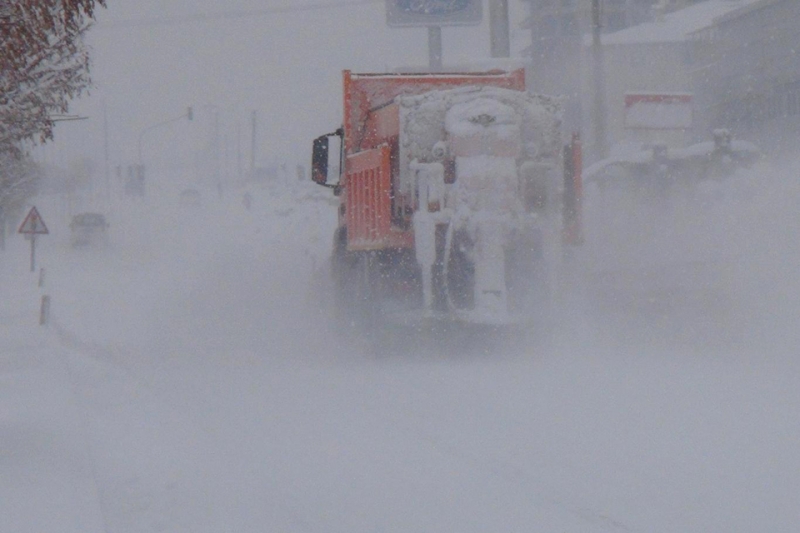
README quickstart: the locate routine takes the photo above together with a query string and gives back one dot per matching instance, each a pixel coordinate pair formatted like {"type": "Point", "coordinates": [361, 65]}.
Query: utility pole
{"type": "Point", "coordinates": [253, 147]}
{"type": "Point", "coordinates": [435, 48]}
{"type": "Point", "coordinates": [216, 151]}
{"type": "Point", "coordinates": [106, 168]}
{"type": "Point", "coordinates": [598, 70]}
{"type": "Point", "coordinates": [239, 153]}
{"type": "Point", "coordinates": [499, 33]}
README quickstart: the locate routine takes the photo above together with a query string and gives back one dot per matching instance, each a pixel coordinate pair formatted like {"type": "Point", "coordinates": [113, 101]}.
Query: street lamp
{"type": "Point", "coordinates": [135, 184]}
{"type": "Point", "coordinates": [188, 115]}
{"type": "Point", "coordinates": [215, 145]}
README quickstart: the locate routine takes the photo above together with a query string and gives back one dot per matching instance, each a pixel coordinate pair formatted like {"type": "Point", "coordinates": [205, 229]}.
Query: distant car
{"type": "Point", "coordinates": [190, 197]}
{"type": "Point", "coordinates": [89, 229]}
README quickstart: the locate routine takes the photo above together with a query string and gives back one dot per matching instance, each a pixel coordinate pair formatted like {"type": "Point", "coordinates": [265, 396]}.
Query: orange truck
{"type": "Point", "coordinates": [457, 196]}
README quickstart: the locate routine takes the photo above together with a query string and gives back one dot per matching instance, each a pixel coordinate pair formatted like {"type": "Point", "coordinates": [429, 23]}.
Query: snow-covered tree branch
{"type": "Point", "coordinates": [44, 64]}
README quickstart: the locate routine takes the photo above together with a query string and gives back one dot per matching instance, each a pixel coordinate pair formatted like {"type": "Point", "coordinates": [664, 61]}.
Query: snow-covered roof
{"type": "Point", "coordinates": [676, 26]}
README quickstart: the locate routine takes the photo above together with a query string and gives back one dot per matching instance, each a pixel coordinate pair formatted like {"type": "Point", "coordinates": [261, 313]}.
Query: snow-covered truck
{"type": "Point", "coordinates": [457, 194]}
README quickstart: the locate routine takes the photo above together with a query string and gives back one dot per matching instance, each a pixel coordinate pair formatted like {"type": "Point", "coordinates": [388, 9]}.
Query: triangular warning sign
{"type": "Point", "coordinates": [33, 224]}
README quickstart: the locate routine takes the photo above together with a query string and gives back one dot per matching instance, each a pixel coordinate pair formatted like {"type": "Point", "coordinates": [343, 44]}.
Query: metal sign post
{"type": "Point", "coordinates": [435, 48]}
{"type": "Point", "coordinates": [499, 34]}
{"type": "Point", "coordinates": [599, 89]}
{"type": "Point", "coordinates": [433, 14]}
{"type": "Point", "coordinates": [33, 252]}
{"type": "Point", "coordinates": [32, 226]}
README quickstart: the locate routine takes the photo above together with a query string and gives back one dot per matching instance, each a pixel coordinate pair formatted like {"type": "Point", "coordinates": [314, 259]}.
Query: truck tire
{"type": "Point", "coordinates": [527, 277]}
{"type": "Point", "coordinates": [344, 266]}
{"type": "Point", "coordinates": [357, 286]}
{"type": "Point", "coordinates": [369, 303]}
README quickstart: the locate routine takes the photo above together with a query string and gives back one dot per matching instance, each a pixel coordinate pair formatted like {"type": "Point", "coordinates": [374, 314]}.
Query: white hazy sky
{"type": "Point", "coordinates": [285, 66]}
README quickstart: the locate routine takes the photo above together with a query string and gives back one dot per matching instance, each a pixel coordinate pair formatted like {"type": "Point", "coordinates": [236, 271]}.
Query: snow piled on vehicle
{"type": "Point", "coordinates": [423, 120]}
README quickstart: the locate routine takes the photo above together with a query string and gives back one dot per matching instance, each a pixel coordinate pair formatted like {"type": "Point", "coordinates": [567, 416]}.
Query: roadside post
{"type": "Point", "coordinates": [44, 310]}
{"type": "Point", "coordinates": [32, 226]}
{"type": "Point", "coordinates": [2, 229]}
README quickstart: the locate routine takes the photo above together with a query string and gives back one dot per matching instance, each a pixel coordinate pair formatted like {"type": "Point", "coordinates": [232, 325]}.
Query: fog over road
{"type": "Point", "coordinates": [189, 380]}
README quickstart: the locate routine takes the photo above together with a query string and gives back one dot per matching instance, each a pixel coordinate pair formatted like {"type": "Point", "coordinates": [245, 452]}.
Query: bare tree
{"type": "Point", "coordinates": [44, 63]}
{"type": "Point", "coordinates": [19, 179]}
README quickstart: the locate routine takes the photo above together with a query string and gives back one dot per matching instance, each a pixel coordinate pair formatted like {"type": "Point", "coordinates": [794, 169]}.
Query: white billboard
{"type": "Point", "coordinates": [400, 13]}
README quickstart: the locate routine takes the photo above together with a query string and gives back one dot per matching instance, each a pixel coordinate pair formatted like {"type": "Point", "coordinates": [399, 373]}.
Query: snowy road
{"type": "Point", "coordinates": [188, 383]}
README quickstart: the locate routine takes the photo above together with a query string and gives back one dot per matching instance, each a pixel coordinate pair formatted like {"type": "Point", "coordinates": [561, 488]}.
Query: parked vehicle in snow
{"type": "Point", "coordinates": [190, 198]}
{"type": "Point", "coordinates": [89, 229]}
{"type": "Point", "coordinates": [655, 171]}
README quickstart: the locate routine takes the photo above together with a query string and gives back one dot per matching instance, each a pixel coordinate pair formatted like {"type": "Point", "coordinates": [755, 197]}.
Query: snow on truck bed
{"type": "Point", "coordinates": [423, 119]}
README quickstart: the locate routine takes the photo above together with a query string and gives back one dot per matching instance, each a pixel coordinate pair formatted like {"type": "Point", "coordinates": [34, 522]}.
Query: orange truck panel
{"type": "Point", "coordinates": [368, 203]}
{"type": "Point", "coordinates": [365, 94]}
{"type": "Point", "coordinates": [382, 126]}
{"type": "Point", "coordinates": [371, 128]}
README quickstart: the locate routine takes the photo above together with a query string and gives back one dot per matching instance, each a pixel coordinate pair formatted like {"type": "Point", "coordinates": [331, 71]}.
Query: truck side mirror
{"type": "Point", "coordinates": [319, 160]}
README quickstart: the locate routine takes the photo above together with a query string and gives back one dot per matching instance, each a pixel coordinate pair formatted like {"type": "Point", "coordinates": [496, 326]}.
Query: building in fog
{"type": "Point", "coordinates": [655, 59]}
{"type": "Point", "coordinates": [557, 28]}
{"type": "Point", "coordinates": [746, 74]}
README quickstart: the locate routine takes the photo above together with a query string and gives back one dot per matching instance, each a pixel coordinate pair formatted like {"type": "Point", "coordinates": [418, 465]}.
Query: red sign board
{"type": "Point", "coordinates": [658, 111]}
{"type": "Point", "coordinates": [33, 224]}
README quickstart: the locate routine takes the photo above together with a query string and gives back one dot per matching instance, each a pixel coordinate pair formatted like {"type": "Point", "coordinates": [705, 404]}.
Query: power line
{"type": "Point", "coordinates": [230, 15]}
